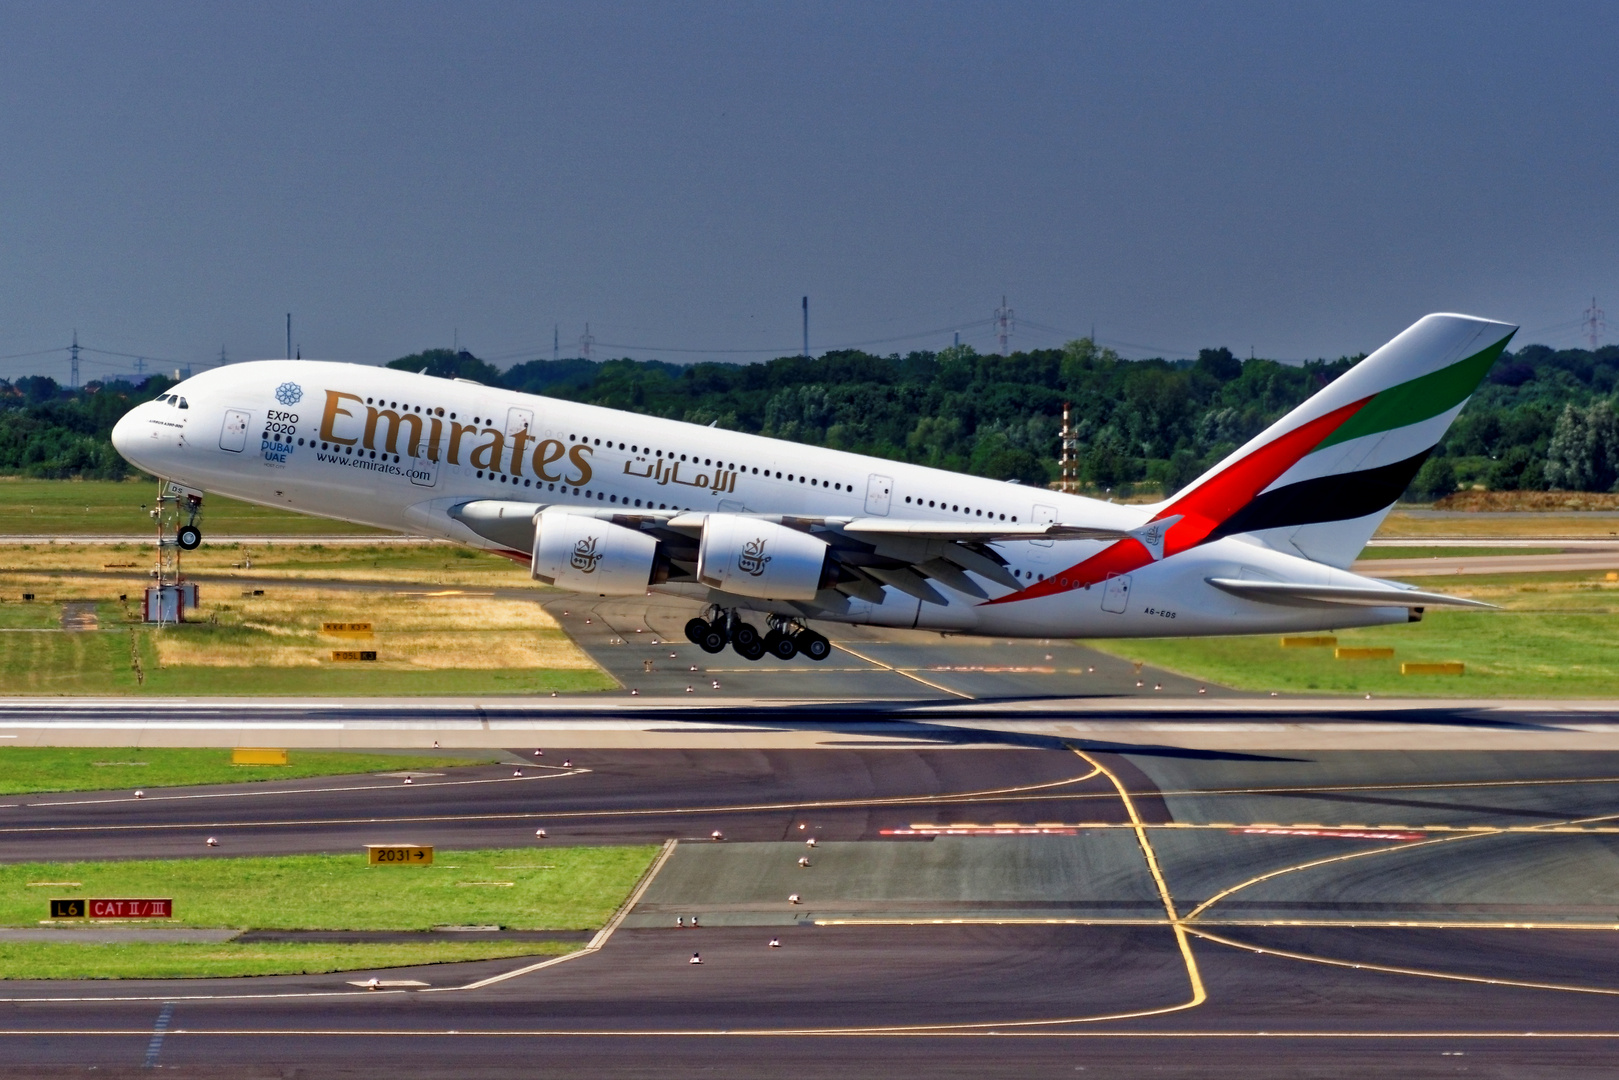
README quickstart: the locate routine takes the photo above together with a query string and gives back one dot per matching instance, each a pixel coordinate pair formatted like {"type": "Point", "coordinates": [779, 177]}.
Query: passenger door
{"type": "Point", "coordinates": [423, 472]}
{"type": "Point", "coordinates": [519, 420]}
{"type": "Point", "coordinates": [879, 493]}
{"type": "Point", "coordinates": [233, 434]}
{"type": "Point", "coordinates": [1044, 515]}
{"type": "Point", "coordinates": [1116, 594]}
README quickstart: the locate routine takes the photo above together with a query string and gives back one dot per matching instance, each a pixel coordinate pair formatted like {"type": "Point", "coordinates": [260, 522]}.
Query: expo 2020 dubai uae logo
{"type": "Point", "coordinates": [289, 393]}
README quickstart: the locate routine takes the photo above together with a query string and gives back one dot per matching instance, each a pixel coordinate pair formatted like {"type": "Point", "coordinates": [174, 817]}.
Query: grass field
{"type": "Point", "coordinates": [1450, 552]}
{"type": "Point", "coordinates": [142, 960]}
{"type": "Point", "coordinates": [454, 639]}
{"type": "Point", "coordinates": [545, 888]}
{"type": "Point", "coordinates": [30, 768]}
{"type": "Point", "coordinates": [562, 888]}
{"type": "Point", "coordinates": [119, 508]}
{"type": "Point", "coordinates": [127, 565]}
{"type": "Point", "coordinates": [1535, 526]}
{"type": "Point", "coordinates": [1554, 638]}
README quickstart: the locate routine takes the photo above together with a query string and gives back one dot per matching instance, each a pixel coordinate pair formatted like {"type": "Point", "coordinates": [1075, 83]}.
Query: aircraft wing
{"type": "Point", "coordinates": [1294, 594]}
{"type": "Point", "coordinates": [870, 552]}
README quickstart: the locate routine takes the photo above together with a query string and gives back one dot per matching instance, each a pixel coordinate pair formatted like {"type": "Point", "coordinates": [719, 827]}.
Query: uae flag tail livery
{"type": "Point", "coordinates": [1319, 481]}
{"type": "Point", "coordinates": [613, 503]}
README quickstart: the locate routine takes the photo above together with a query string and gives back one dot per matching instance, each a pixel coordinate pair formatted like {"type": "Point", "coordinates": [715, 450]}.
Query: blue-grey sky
{"type": "Point", "coordinates": [1300, 179]}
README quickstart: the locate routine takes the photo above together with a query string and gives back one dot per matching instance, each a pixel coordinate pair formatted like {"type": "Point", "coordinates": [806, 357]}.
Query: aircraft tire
{"type": "Point", "coordinates": [695, 629]}
{"type": "Point", "coordinates": [814, 646]}
{"type": "Point", "coordinates": [188, 537]}
{"type": "Point", "coordinates": [744, 634]}
{"type": "Point", "coordinates": [752, 649]}
{"type": "Point", "coordinates": [713, 640]}
{"type": "Point", "coordinates": [780, 645]}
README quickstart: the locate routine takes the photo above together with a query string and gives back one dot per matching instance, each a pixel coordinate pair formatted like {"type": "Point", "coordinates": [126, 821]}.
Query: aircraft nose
{"type": "Point", "coordinates": [125, 431]}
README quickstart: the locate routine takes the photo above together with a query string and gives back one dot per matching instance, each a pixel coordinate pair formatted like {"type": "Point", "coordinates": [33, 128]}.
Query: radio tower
{"type": "Point", "coordinates": [1003, 326]}
{"type": "Point", "coordinates": [1594, 325]}
{"type": "Point", "coordinates": [1070, 463]}
{"type": "Point", "coordinates": [73, 350]}
{"type": "Point", "coordinates": [586, 340]}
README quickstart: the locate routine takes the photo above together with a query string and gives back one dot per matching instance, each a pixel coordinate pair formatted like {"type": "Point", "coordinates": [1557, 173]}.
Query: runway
{"type": "Point", "coordinates": [1025, 864]}
{"type": "Point", "coordinates": [969, 910]}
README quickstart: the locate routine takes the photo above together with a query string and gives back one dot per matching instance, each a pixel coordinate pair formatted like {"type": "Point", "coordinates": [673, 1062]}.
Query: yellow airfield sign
{"type": "Point", "coordinates": [399, 854]}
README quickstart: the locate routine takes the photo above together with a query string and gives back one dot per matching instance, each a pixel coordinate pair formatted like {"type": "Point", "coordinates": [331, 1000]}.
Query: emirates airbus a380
{"type": "Point", "coordinates": [620, 504]}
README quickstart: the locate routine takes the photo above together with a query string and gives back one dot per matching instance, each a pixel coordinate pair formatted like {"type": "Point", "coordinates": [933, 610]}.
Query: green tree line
{"type": "Point", "coordinates": [1543, 418]}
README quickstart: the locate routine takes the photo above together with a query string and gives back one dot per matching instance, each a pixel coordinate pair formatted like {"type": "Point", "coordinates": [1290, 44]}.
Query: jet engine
{"type": "Point", "coordinates": [752, 557]}
{"type": "Point", "coordinates": [574, 551]}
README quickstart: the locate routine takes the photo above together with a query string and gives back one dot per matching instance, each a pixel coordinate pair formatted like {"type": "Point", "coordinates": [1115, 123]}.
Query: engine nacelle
{"type": "Point", "coordinates": [585, 553]}
{"type": "Point", "coordinates": [751, 557]}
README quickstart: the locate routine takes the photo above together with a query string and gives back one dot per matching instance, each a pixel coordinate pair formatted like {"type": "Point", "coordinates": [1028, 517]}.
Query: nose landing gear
{"type": "Point", "coordinates": [188, 536]}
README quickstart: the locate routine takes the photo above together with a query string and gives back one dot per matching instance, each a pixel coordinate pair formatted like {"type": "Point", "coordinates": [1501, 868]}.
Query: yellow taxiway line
{"type": "Point", "coordinates": [1199, 994]}
{"type": "Point", "coordinates": [900, 671]}
{"type": "Point", "coordinates": [1389, 969]}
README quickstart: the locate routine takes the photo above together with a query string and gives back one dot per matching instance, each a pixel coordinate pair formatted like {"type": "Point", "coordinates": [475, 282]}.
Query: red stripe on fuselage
{"type": "Point", "coordinates": [1202, 509]}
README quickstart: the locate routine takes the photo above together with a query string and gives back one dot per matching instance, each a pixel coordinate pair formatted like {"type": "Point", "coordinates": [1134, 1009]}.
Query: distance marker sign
{"type": "Point", "coordinates": [399, 854]}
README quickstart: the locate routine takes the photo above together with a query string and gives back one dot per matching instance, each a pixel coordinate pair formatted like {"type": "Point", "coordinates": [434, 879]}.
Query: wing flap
{"type": "Point", "coordinates": [978, 532]}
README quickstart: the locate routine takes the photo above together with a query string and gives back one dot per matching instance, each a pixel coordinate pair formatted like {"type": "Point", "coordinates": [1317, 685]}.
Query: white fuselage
{"type": "Point", "coordinates": [398, 450]}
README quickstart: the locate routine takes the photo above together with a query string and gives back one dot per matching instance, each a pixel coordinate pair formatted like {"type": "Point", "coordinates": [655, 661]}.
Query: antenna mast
{"type": "Point", "coordinates": [1070, 463]}
{"type": "Point", "coordinates": [1594, 325]}
{"type": "Point", "coordinates": [1003, 326]}
{"type": "Point", "coordinates": [806, 328]}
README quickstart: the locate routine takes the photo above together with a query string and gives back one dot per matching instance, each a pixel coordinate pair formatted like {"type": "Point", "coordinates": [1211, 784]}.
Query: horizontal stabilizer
{"type": "Point", "coordinates": [1152, 535]}
{"type": "Point", "coordinates": [1298, 594]}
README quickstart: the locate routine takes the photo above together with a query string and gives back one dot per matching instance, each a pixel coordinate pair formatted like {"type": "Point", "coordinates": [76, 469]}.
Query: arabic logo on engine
{"type": "Point", "coordinates": [585, 556]}
{"type": "Point", "coordinates": [753, 557]}
{"type": "Point", "coordinates": [289, 393]}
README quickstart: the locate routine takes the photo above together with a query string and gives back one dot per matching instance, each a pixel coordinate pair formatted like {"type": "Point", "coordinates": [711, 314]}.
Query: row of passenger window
{"type": "Point", "coordinates": [599, 496]}
{"type": "Point", "coordinates": [957, 508]}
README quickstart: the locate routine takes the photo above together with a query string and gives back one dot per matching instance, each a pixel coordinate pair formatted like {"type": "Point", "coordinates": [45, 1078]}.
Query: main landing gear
{"type": "Point", "coordinates": [786, 638]}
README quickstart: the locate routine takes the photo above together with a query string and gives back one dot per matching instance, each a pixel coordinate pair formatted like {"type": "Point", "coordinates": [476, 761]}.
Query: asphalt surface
{"type": "Point", "coordinates": [1023, 867]}
{"type": "Point", "coordinates": [641, 642]}
{"type": "Point", "coordinates": [968, 911]}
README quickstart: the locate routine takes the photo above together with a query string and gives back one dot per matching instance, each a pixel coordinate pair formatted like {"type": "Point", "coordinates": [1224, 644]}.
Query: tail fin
{"type": "Point", "coordinates": [1320, 480]}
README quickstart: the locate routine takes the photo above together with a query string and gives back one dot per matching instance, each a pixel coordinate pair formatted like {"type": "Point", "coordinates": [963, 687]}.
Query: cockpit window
{"type": "Point", "coordinates": [183, 404]}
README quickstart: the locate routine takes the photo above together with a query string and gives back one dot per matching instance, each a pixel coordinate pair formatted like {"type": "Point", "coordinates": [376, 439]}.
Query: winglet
{"type": "Point", "coordinates": [1152, 535]}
